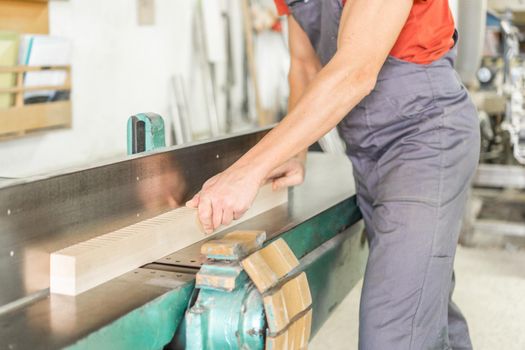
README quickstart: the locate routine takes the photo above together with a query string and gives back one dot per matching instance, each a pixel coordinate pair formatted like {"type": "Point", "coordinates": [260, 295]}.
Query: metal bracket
{"type": "Point", "coordinates": [145, 133]}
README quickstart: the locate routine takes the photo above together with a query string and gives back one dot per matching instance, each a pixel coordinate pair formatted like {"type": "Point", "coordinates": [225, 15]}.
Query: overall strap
{"type": "Point", "coordinates": [320, 20]}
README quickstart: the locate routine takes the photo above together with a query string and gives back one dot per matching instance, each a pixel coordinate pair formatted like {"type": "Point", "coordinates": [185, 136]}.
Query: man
{"type": "Point", "coordinates": [383, 71]}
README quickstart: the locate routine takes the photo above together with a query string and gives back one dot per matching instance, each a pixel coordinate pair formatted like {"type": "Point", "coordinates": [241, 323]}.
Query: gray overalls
{"type": "Point", "coordinates": [414, 146]}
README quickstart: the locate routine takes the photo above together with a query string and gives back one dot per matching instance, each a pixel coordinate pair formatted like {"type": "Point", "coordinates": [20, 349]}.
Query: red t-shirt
{"type": "Point", "coordinates": [426, 36]}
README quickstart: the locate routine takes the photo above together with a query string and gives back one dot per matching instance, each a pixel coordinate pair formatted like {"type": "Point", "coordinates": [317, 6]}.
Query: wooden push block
{"type": "Point", "coordinates": [268, 265]}
{"type": "Point", "coordinates": [296, 337]}
{"type": "Point", "coordinates": [234, 245]}
{"type": "Point", "coordinates": [284, 304]}
{"type": "Point", "coordinates": [85, 265]}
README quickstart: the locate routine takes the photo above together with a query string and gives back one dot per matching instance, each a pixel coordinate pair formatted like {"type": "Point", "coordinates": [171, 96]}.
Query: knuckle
{"type": "Point", "coordinates": [239, 209]}
{"type": "Point", "coordinates": [228, 202]}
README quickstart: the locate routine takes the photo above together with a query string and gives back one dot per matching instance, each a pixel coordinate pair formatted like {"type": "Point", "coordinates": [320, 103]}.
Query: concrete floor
{"type": "Point", "coordinates": [490, 290]}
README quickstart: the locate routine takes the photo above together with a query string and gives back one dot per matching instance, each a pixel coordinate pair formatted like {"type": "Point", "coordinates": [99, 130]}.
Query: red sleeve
{"type": "Point", "coordinates": [282, 8]}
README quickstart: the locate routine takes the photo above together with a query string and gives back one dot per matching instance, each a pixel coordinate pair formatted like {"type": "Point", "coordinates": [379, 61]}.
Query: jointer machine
{"type": "Point", "coordinates": [158, 305]}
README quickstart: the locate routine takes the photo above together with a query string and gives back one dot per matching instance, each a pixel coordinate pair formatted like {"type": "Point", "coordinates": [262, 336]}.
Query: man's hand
{"type": "Point", "coordinates": [225, 197]}
{"type": "Point", "coordinates": [289, 174]}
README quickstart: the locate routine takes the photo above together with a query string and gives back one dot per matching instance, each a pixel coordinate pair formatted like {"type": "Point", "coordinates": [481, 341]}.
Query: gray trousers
{"type": "Point", "coordinates": [414, 145]}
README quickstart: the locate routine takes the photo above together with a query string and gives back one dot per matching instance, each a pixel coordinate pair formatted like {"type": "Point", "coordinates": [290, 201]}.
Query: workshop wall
{"type": "Point", "coordinates": [119, 68]}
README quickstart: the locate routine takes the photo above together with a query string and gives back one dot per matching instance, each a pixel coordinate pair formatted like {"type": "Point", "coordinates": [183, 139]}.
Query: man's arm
{"type": "Point", "coordinates": [368, 31]}
{"type": "Point", "coordinates": [304, 66]}
{"type": "Point", "coordinates": [304, 63]}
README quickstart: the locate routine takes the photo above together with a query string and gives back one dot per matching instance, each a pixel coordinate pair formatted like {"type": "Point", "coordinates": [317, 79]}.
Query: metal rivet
{"type": "Point", "coordinates": [217, 156]}
{"type": "Point", "coordinates": [8, 211]}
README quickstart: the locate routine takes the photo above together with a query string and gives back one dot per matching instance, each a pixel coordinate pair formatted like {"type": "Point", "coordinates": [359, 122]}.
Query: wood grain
{"type": "Point", "coordinates": [85, 265]}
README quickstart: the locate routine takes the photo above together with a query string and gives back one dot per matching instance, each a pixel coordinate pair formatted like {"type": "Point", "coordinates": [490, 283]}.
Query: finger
{"type": "Point", "coordinates": [280, 171]}
{"type": "Point", "coordinates": [205, 214]}
{"type": "Point", "coordinates": [216, 215]}
{"type": "Point", "coordinates": [287, 181]}
{"type": "Point", "coordinates": [194, 202]}
{"type": "Point", "coordinates": [227, 216]}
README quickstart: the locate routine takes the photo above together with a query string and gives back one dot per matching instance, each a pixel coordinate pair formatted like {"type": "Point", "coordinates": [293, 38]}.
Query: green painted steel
{"type": "Point", "coordinates": [335, 271]}
{"type": "Point", "coordinates": [154, 135]}
{"type": "Point", "coordinates": [222, 320]}
{"type": "Point", "coordinates": [333, 256]}
{"type": "Point", "coordinates": [150, 326]}
{"type": "Point", "coordinates": [310, 234]}
{"type": "Point", "coordinates": [226, 270]}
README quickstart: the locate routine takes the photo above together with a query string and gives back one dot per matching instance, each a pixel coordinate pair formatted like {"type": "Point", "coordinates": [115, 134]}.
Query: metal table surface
{"type": "Point", "coordinates": [58, 321]}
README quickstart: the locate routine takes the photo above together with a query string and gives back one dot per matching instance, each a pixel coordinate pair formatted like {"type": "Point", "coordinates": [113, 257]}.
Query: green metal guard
{"type": "Point", "coordinates": [334, 262]}
{"type": "Point", "coordinates": [145, 133]}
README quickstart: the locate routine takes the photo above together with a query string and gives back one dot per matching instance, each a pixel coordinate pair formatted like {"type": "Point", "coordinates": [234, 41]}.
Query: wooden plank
{"type": "Point", "coordinates": [19, 98]}
{"type": "Point", "coordinates": [22, 68]}
{"type": "Point", "coordinates": [234, 245]}
{"type": "Point", "coordinates": [24, 16]}
{"type": "Point", "coordinates": [250, 57]}
{"type": "Point", "coordinates": [82, 266]}
{"type": "Point", "coordinates": [35, 116]}
{"type": "Point", "coordinates": [64, 87]}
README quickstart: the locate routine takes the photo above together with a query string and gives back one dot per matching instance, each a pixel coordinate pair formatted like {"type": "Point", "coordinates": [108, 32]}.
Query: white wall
{"type": "Point", "coordinates": [119, 69]}
{"type": "Point", "coordinates": [454, 7]}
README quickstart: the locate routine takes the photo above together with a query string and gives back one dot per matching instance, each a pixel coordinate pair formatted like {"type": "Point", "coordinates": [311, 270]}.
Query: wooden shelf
{"type": "Point", "coordinates": [28, 16]}
{"type": "Point", "coordinates": [23, 118]}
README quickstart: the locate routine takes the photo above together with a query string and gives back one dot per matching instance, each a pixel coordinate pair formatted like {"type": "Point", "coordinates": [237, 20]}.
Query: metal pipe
{"type": "Point", "coordinates": [471, 24]}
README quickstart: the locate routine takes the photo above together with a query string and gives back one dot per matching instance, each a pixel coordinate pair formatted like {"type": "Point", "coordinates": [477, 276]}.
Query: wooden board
{"type": "Point", "coordinates": [85, 265]}
{"type": "Point", "coordinates": [24, 16]}
{"type": "Point", "coordinates": [35, 116]}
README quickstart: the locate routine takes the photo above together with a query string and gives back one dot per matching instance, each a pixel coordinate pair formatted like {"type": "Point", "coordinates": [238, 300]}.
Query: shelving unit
{"type": "Point", "coordinates": [23, 118]}
{"type": "Point", "coordinates": [31, 17]}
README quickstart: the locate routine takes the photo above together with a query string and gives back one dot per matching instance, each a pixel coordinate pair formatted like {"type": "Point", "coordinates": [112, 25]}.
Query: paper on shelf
{"type": "Point", "coordinates": [44, 50]}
